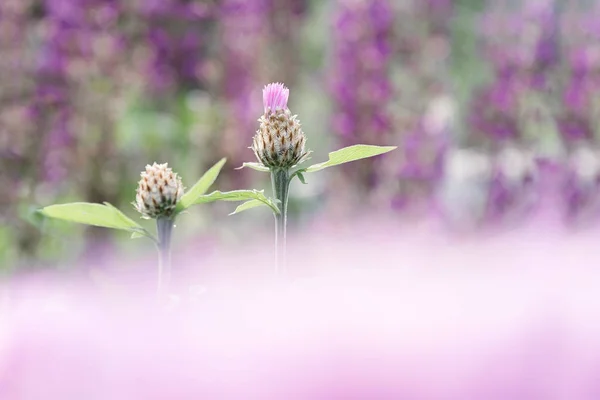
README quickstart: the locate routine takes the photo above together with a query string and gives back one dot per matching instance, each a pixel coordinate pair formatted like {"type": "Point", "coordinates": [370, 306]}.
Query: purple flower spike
{"type": "Point", "coordinates": [275, 97]}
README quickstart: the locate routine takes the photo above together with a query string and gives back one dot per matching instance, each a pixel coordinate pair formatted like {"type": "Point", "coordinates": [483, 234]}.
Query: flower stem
{"type": "Point", "coordinates": [164, 228]}
{"type": "Point", "coordinates": [280, 179]}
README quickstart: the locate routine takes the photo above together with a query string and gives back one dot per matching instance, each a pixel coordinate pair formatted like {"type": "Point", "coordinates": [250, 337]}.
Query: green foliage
{"type": "Point", "coordinates": [300, 176]}
{"type": "Point", "coordinates": [107, 216]}
{"type": "Point", "coordinates": [342, 156]}
{"type": "Point", "coordinates": [103, 215]}
{"type": "Point", "coordinates": [255, 166]}
{"type": "Point", "coordinates": [239, 195]}
{"type": "Point", "coordinates": [7, 248]}
{"type": "Point", "coordinates": [466, 70]}
{"type": "Point", "coordinates": [348, 154]}
{"type": "Point", "coordinates": [200, 188]}
{"type": "Point", "coordinates": [247, 206]}
{"type": "Point", "coordinates": [541, 132]}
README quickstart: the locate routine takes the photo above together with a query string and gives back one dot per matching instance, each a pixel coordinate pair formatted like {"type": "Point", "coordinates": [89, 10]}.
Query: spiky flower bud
{"type": "Point", "coordinates": [158, 191]}
{"type": "Point", "coordinates": [279, 141]}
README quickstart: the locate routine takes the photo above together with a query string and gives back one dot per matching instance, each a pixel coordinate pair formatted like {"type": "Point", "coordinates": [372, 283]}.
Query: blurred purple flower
{"type": "Point", "coordinates": [574, 123]}
{"type": "Point", "coordinates": [175, 31]}
{"type": "Point", "coordinates": [242, 27]}
{"type": "Point", "coordinates": [494, 111]}
{"type": "Point", "coordinates": [423, 157]}
{"type": "Point", "coordinates": [523, 48]}
{"type": "Point", "coordinates": [359, 72]}
{"type": "Point", "coordinates": [582, 81]}
{"type": "Point", "coordinates": [242, 24]}
{"type": "Point", "coordinates": [59, 138]}
{"type": "Point", "coordinates": [522, 40]}
{"type": "Point", "coordinates": [513, 187]}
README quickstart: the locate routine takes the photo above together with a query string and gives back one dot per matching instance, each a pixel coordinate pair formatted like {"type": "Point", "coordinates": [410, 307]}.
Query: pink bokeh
{"type": "Point", "coordinates": [362, 314]}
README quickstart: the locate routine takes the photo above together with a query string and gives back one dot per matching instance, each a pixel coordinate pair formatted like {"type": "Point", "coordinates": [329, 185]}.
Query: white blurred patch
{"type": "Point", "coordinates": [516, 164]}
{"type": "Point", "coordinates": [468, 165]}
{"type": "Point", "coordinates": [463, 193]}
{"type": "Point", "coordinates": [439, 115]}
{"type": "Point", "coordinates": [584, 161]}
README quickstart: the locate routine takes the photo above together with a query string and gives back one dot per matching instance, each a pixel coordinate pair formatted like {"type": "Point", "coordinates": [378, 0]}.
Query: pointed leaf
{"type": "Point", "coordinates": [300, 176]}
{"type": "Point", "coordinates": [247, 206]}
{"type": "Point", "coordinates": [201, 186]}
{"type": "Point", "coordinates": [352, 153]}
{"type": "Point", "coordinates": [255, 166]}
{"type": "Point", "coordinates": [32, 215]}
{"type": "Point", "coordinates": [144, 233]}
{"type": "Point", "coordinates": [103, 215]}
{"type": "Point", "coordinates": [238, 195]}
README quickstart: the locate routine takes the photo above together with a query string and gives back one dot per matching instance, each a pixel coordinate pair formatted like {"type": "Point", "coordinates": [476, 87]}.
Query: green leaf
{"type": "Point", "coordinates": [103, 215]}
{"type": "Point", "coordinates": [247, 206]}
{"type": "Point", "coordinates": [238, 195]}
{"type": "Point", "coordinates": [137, 235]}
{"type": "Point", "coordinates": [255, 166]}
{"type": "Point", "coordinates": [351, 153]}
{"type": "Point", "coordinates": [32, 215]}
{"type": "Point", "coordinates": [300, 175]}
{"type": "Point", "coordinates": [201, 186]}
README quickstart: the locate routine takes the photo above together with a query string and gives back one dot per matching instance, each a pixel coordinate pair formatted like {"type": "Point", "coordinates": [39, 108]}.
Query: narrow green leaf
{"type": "Point", "coordinates": [300, 176]}
{"type": "Point", "coordinates": [144, 233]}
{"type": "Point", "coordinates": [247, 206]}
{"type": "Point", "coordinates": [255, 166]}
{"type": "Point", "coordinates": [297, 173]}
{"type": "Point", "coordinates": [103, 215]}
{"type": "Point", "coordinates": [238, 195]}
{"type": "Point", "coordinates": [351, 153]}
{"type": "Point", "coordinates": [200, 188]}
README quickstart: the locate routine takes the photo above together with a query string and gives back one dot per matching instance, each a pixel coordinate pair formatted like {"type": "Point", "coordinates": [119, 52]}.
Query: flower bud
{"type": "Point", "coordinates": [279, 141]}
{"type": "Point", "coordinates": [158, 192]}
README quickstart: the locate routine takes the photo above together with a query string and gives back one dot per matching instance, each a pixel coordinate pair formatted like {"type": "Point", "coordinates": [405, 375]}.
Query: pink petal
{"type": "Point", "coordinates": [275, 97]}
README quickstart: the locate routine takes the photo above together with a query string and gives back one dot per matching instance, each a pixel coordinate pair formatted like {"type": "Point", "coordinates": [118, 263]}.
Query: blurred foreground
{"type": "Point", "coordinates": [363, 313]}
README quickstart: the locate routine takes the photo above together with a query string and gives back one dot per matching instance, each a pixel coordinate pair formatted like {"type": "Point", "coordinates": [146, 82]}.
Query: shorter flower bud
{"type": "Point", "coordinates": [158, 191]}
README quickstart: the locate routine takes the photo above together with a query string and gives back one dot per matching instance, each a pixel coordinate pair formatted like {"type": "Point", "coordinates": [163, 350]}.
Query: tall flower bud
{"type": "Point", "coordinates": [158, 192]}
{"type": "Point", "coordinates": [279, 141]}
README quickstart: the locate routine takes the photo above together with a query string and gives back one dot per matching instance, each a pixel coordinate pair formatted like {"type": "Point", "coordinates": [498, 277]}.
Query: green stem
{"type": "Point", "coordinates": [280, 179]}
{"type": "Point", "coordinates": [164, 229]}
